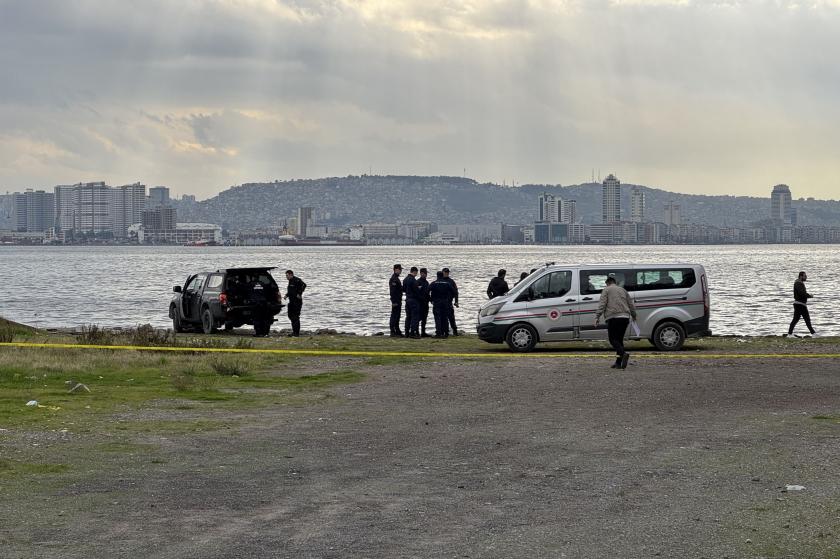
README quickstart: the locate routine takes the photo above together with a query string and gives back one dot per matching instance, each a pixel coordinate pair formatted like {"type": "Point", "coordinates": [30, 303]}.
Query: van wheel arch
{"type": "Point", "coordinates": [668, 335]}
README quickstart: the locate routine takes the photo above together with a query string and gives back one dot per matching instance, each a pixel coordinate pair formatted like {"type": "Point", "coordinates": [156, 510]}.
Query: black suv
{"type": "Point", "coordinates": [228, 298]}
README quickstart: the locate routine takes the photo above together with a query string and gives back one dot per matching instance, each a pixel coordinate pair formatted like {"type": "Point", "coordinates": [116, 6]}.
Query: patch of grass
{"type": "Point", "coordinates": [7, 335]}
{"type": "Point", "coordinates": [94, 335]}
{"type": "Point", "coordinates": [229, 368]}
{"type": "Point", "coordinates": [830, 418]}
{"type": "Point", "coordinates": [13, 467]}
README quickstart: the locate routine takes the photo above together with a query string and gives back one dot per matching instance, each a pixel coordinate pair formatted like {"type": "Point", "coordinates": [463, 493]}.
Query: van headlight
{"type": "Point", "coordinates": [490, 310]}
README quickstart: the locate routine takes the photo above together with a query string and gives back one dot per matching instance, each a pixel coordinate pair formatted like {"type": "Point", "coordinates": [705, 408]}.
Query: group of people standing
{"type": "Point", "coordinates": [441, 293]}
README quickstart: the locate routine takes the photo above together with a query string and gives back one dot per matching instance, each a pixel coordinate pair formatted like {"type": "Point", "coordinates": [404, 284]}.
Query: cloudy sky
{"type": "Point", "coordinates": [693, 96]}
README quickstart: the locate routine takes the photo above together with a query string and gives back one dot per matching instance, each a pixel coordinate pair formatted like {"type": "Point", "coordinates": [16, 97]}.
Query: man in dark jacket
{"type": "Point", "coordinates": [424, 301]}
{"type": "Point", "coordinates": [396, 291]}
{"type": "Point", "coordinates": [800, 304]}
{"type": "Point", "coordinates": [440, 293]}
{"type": "Point", "coordinates": [412, 304]}
{"type": "Point", "coordinates": [498, 286]}
{"type": "Point", "coordinates": [453, 301]}
{"type": "Point", "coordinates": [294, 294]}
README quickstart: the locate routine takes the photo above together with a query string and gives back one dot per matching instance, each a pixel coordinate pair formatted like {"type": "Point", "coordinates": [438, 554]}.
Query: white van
{"type": "Point", "coordinates": [557, 303]}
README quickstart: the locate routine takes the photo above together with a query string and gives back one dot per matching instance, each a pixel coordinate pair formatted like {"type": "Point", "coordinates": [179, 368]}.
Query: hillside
{"type": "Point", "coordinates": [363, 199]}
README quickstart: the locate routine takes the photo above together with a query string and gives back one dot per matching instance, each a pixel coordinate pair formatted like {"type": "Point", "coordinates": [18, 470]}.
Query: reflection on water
{"type": "Point", "coordinates": [347, 286]}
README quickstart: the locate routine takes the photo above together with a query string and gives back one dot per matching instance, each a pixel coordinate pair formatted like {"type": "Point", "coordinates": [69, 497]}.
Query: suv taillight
{"type": "Point", "coordinates": [223, 298]}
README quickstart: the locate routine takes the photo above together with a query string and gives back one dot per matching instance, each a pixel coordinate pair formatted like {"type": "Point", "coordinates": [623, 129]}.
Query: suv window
{"type": "Point", "coordinates": [555, 284]}
{"type": "Point", "coordinates": [215, 282]}
{"type": "Point", "coordinates": [196, 283]}
{"type": "Point", "coordinates": [664, 278]}
{"type": "Point", "coordinates": [593, 281]}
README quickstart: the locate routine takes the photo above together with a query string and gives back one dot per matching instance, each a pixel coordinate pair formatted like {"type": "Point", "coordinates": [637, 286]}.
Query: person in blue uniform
{"type": "Point", "coordinates": [440, 293]}
{"type": "Point", "coordinates": [412, 304]}
{"type": "Point", "coordinates": [453, 301]}
{"type": "Point", "coordinates": [424, 301]}
{"type": "Point", "coordinates": [294, 295]}
{"type": "Point", "coordinates": [396, 290]}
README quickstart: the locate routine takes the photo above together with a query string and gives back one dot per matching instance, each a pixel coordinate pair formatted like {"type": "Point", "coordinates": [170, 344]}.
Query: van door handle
{"type": "Point", "coordinates": [587, 298]}
{"type": "Point", "coordinates": [571, 300]}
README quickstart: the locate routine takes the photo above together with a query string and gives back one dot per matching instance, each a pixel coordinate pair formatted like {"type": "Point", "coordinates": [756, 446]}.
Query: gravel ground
{"type": "Point", "coordinates": [494, 458]}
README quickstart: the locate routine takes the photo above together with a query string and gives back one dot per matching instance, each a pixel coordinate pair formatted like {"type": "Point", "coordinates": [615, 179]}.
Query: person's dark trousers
{"type": "Point", "coordinates": [412, 317]}
{"type": "Point", "coordinates": [424, 316]}
{"type": "Point", "coordinates": [441, 315]}
{"type": "Point", "coordinates": [616, 327]}
{"type": "Point", "coordinates": [800, 311]}
{"type": "Point", "coordinates": [396, 311]}
{"type": "Point", "coordinates": [294, 316]}
{"type": "Point", "coordinates": [450, 315]}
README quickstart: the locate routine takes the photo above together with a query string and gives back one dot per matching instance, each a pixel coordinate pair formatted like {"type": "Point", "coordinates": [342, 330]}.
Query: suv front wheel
{"type": "Point", "coordinates": [208, 324]}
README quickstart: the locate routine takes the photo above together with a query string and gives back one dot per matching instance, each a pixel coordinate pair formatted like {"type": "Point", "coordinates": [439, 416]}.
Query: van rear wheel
{"type": "Point", "coordinates": [521, 338]}
{"type": "Point", "coordinates": [668, 336]}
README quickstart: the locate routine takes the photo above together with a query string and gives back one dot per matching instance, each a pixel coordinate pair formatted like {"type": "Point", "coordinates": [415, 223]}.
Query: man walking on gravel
{"type": "Point", "coordinates": [617, 308]}
{"type": "Point", "coordinates": [800, 304]}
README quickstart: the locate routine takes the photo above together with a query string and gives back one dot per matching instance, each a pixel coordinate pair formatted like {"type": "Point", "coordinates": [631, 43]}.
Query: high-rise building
{"type": "Point", "coordinates": [34, 211]}
{"type": "Point", "coordinates": [128, 203]}
{"type": "Point", "coordinates": [637, 205]}
{"type": "Point", "coordinates": [780, 207]}
{"type": "Point", "coordinates": [93, 203]}
{"type": "Point", "coordinates": [568, 211]}
{"type": "Point", "coordinates": [304, 220]}
{"type": "Point", "coordinates": [611, 199]}
{"type": "Point", "coordinates": [65, 208]}
{"type": "Point", "coordinates": [158, 196]}
{"type": "Point", "coordinates": [672, 214]}
{"type": "Point", "coordinates": [162, 218]}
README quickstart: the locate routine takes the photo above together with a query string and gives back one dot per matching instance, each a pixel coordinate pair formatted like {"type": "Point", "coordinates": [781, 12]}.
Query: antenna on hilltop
{"type": "Point", "coordinates": [593, 174]}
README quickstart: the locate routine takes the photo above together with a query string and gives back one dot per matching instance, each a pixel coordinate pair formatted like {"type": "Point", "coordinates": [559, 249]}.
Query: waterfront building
{"type": "Point", "coordinates": [380, 230]}
{"type": "Point", "coordinates": [34, 211]}
{"type": "Point", "coordinates": [92, 205]}
{"type": "Point", "coordinates": [65, 207]}
{"type": "Point", "coordinates": [637, 204]}
{"type": "Point", "coordinates": [672, 214]}
{"type": "Point", "coordinates": [162, 217]}
{"type": "Point", "coordinates": [183, 233]}
{"type": "Point", "coordinates": [780, 204]}
{"type": "Point", "coordinates": [159, 196]}
{"type": "Point", "coordinates": [128, 203]}
{"type": "Point", "coordinates": [611, 199]}
{"type": "Point", "coordinates": [304, 220]}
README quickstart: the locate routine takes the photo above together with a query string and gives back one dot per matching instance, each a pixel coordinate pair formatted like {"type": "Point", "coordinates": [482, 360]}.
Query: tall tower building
{"type": "Point", "coordinates": [672, 214]}
{"type": "Point", "coordinates": [34, 211]}
{"type": "Point", "coordinates": [780, 208]}
{"type": "Point", "coordinates": [548, 208]}
{"type": "Point", "coordinates": [568, 211]}
{"type": "Point", "coordinates": [637, 205]}
{"type": "Point", "coordinates": [93, 204]}
{"type": "Point", "coordinates": [65, 207]}
{"type": "Point", "coordinates": [611, 199]}
{"type": "Point", "coordinates": [128, 203]}
{"type": "Point", "coordinates": [158, 196]}
{"type": "Point", "coordinates": [304, 220]}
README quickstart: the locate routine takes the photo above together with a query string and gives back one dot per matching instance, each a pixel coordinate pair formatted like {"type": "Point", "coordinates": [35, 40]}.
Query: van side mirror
{"type": "Point", "coordinates": [177, 289]}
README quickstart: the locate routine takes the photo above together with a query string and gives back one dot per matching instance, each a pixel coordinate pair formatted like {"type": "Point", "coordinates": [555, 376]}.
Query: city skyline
{"type": "Point", "coordinates": [694, 97]}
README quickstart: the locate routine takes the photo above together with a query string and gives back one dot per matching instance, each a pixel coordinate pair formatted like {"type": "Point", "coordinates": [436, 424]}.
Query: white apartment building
{"type": "Point", "coordinates": [637, 205]}
{"type": "Point", "coordinates": [611, 199]}
{"type": "Point", "coordinates": [34, 211]}
{"type": "Point", "coordinates": [127, 207]}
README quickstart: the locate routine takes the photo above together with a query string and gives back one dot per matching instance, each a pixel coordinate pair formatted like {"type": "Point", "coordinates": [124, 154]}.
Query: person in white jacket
{"type": "Point", "coordinates": [617, 308]}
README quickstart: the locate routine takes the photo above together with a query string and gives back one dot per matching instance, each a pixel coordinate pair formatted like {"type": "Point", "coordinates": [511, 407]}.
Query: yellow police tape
{"type": "Point", "coordinates": [505, 355]}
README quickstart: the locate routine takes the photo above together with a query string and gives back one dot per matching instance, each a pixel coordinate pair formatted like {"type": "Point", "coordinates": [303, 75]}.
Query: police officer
{"type": "Point", "coordinates": [453, 301]}
{"type": "Point", "coordinates": [498, 286]}
{"type": "Point", "coordinates": [412, 304]}
{"type": "Point", "coordinates": [424, 301]}
{"type": "Point", "coordinates": [396, 290]}
{"type": "Point", "coordinates": [294, 294]}
{"type": "Point", "coordinates": [440, 293]}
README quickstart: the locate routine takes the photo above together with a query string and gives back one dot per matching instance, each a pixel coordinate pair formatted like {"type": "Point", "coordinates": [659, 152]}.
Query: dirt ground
{"type": "Point", "coordinates": [479, 458]}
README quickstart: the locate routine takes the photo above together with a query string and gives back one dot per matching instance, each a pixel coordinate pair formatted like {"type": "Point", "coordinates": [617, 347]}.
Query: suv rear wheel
{"type": "Point", "coordinates": [668, 336]}
{"type": "Point", "coordinates": [208, 324]}
{"type": "Point", "coordinates": [521, 338]}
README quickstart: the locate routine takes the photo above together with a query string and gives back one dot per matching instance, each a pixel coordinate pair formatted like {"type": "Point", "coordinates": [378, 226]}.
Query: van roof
{"type": "Point", "coordinates": [600, 266]}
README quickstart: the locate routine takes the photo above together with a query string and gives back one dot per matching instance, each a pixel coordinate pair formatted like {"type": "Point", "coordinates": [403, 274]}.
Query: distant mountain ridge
{"type": "Point", "coordinates": [389, 199]}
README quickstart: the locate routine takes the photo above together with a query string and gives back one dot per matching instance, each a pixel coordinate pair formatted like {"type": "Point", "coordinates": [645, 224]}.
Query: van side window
{"type": "Point", "coordinates": [664, 278]}
{"type": "Point", "coordinates": [593, 281]}
{"type": "Point", "coordinates": [555, 284]}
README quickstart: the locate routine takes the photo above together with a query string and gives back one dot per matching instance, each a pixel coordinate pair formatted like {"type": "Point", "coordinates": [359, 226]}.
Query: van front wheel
{"type": "Point", "coordinates": [668, 336]}
{"type": "Point", "coordinates": [521, 338]}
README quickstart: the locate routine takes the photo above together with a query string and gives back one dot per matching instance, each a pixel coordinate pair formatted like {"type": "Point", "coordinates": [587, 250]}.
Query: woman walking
{"type": "Point", "coordinates": [617, 308]}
